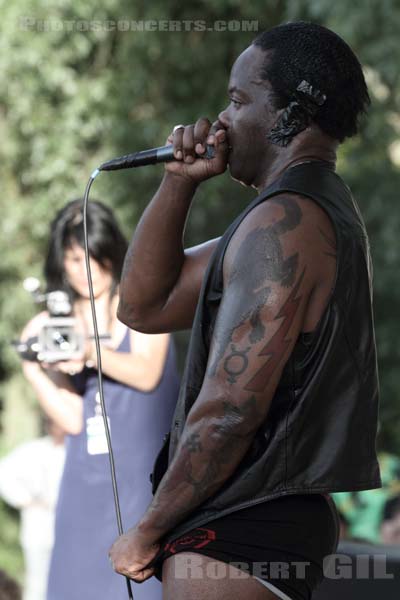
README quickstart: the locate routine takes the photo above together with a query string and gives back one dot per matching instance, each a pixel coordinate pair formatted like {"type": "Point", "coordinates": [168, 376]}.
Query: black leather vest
{"type": "Point", "coordinates": [319, 434]}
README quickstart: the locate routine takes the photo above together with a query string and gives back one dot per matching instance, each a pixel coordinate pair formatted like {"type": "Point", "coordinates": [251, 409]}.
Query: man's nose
{"type": "Point", "coordinates": [223, 118]}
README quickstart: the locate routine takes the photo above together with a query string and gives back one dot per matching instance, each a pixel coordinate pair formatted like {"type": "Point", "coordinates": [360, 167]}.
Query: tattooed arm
{"type": "Point", "coordinates": [269, 275]}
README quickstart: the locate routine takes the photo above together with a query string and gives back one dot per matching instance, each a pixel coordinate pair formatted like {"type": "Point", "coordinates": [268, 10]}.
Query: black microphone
{"type": "Point", "coordinates": [149, 157]}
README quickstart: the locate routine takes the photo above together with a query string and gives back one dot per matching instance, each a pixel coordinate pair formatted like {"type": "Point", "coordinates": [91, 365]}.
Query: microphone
{"type": "Point", "coordinates": [148, 157]}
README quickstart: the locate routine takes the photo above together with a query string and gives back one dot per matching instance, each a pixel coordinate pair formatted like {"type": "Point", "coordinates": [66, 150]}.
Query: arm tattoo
{"type": "Point", "coordinates": [207, 456]}
{"type": "Point", "coordinates": [201, 471]}
{"type": "Point", "coordinates": [221, 452]}
{"type": "Point", "coordinates": [274, 350]}
{"type": "Point", "coordinates": [236, 363]}
{"type": "Point", "coordinates": [276, 347]}
{"type": "Point", "coordinates": [193, 443]}
{"type": "Point", "coordinates": [259, 259]}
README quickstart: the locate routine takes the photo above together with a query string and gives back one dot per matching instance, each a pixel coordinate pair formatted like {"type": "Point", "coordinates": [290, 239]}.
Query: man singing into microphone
{"type": "Point", "coordinates": [279, 400]}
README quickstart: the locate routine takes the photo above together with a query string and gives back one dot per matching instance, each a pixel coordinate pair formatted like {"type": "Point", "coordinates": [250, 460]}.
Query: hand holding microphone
{"type": "Point", "coordinates": [195, 152]}
{"type": "Point", "coordinates": [192, 143]}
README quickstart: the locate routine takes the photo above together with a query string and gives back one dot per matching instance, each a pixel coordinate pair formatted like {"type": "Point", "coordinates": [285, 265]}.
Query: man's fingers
{"type": "Point", "coordinates": [177, 137]}
{"type": "Point", "coordinates": [191, 140]}
{"type": "Point", "coordinates": [143, 575]}
{"type": "Point", "coordinates": [188, 144]}
{"type": "Point", "coordinates": [220, 139]}
{"type": "Point", "coordinates": [216, 126]}
{"type": "Point", "coordinates": [217, 137]}
{"type": "Point", "coordinates": [201, 129]}
{"type": "Point", "coordinates": [135, 575]}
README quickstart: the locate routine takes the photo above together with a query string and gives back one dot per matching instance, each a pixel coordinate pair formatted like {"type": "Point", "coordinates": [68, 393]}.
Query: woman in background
{"type": "Point", "coordinates": [140, 388]}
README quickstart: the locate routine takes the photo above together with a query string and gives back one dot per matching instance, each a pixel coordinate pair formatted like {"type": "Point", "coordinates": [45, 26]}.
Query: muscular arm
{"type": "Point", "coordinates": [161, 281]}
{"type": "Point", "coordinates": [155, 255]}
{"type": "Point", "coordinates": [269, 275]}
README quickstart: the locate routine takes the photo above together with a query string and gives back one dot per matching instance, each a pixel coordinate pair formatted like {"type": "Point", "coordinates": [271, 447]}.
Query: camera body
{"type": "Point", "coordinates": [59, 339]}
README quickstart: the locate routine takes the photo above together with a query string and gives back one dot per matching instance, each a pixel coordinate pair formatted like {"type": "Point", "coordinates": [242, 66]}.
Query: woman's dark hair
{"type": "Point", "coordinates": [107, 244]}
{"type": "Point", "coordinates": [307, 51]}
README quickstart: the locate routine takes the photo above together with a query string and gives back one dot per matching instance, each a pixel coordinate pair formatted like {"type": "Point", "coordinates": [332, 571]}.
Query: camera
{"type": "Point", "coordinates": [58, 339]}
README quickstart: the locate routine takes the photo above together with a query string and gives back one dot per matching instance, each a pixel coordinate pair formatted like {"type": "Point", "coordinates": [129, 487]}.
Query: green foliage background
{"type": "Point", "coordinates": [71, 99]}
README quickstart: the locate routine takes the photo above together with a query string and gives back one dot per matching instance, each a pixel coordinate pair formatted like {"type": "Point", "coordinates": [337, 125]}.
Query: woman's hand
{"type": "Point", "coordinates": [31, 330]}
{"type": "Point", "coordinates": [69, 367]}
{"type": "Point", "coordinates": [77, 364]}
{"type": "Point", "coordinates": [34, 326]}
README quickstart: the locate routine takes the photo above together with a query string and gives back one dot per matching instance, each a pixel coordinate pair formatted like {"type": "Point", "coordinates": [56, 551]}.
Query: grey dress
{"type": "Point", "coordinates": [85, 518]}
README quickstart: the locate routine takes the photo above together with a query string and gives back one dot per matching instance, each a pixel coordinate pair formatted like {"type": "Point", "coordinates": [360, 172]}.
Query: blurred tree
{"type": "Point", "coordinates": [73, 95]}
{"type": "Point", "coordinates": [11, 559]}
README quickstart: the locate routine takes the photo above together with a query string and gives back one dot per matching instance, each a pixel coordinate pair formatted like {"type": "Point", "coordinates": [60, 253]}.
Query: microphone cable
{"type": "Point", "coordinates": [99, 368]}
{"type": "Point", "coordinates": [162, 154]}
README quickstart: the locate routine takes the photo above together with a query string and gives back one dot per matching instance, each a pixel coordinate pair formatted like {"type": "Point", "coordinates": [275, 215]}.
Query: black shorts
{"type": "Point", "coordinates": [284, 542]}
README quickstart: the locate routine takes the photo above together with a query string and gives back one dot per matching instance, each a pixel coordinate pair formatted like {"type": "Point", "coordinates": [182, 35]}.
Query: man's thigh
{"type": "Point", "coordinates": [188, 575]}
